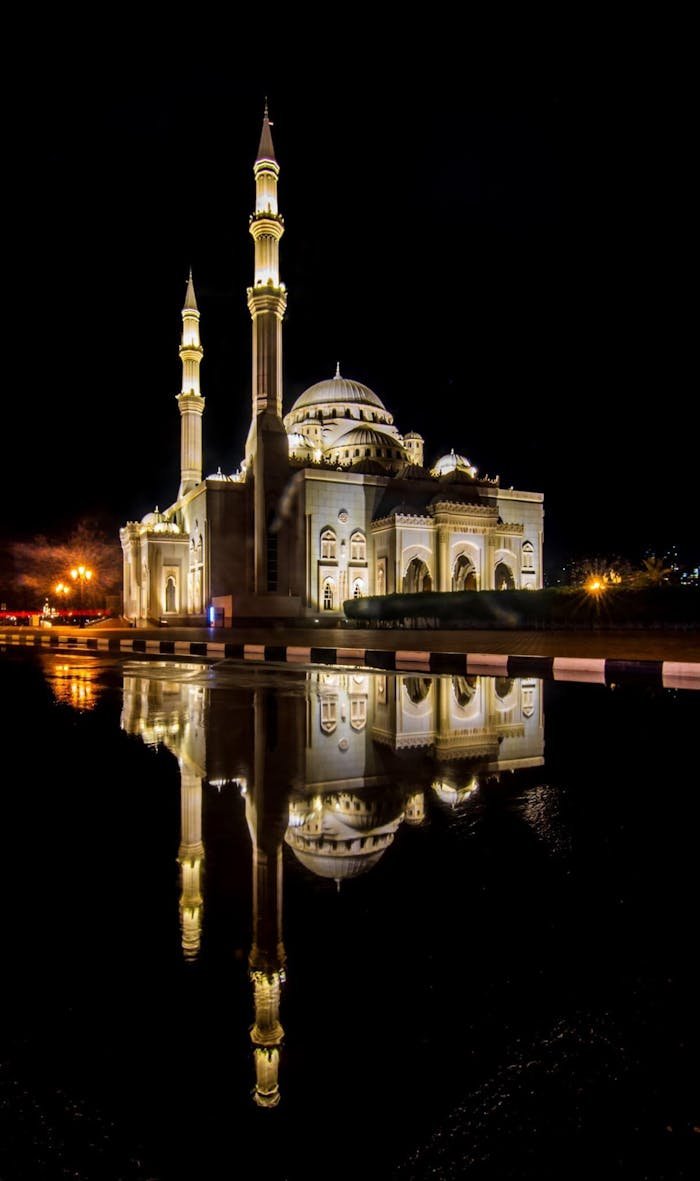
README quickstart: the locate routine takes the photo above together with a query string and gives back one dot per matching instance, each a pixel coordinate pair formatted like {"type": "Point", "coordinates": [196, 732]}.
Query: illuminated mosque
{"type": "Point", "coordinates": [330, 501]}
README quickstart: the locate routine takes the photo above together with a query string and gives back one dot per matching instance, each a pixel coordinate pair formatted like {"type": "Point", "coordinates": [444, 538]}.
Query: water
{"type": "Point", "coordinates": [298, 925]}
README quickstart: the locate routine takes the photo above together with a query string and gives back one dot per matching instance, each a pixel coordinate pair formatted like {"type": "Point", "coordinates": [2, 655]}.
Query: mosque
{"type": "Point", "coordinates": [331, 501]}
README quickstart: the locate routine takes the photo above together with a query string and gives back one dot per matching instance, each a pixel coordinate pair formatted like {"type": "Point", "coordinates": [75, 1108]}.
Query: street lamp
{"type": "Point", "coordinates": [81, 575]}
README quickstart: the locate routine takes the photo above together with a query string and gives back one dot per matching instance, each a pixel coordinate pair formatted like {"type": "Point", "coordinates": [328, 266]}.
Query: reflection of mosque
{"type": "Point", "coordinates": [326, 772]}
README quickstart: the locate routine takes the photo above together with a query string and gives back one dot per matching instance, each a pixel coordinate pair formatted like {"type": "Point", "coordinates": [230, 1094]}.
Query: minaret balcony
{"type": "Point", "coordinates": [269, 224]}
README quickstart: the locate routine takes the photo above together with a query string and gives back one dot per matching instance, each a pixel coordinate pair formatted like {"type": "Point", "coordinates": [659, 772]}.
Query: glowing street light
{"type": "Point", "coordinates": [81, 575]}
{"type": "Point", "coordinates": [62, 588]}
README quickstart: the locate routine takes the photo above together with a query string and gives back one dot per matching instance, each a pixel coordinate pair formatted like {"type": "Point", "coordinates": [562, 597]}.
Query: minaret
{"type": "Point", "coordinates": [267, 447]}
{"type": "Point", "coordinates": [190, 858]}
{"type": "Point", "coordinates": [267, 298]}
{"type": "Point", "coordinates": [190, 400]}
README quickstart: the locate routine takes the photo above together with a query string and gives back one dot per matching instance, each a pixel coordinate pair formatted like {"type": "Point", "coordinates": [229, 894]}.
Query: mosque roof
{"type": "Point", "coordinates": [338, 390]}
{"type": "Point", "coordinates": [453, 463]}
{"type": "Point", "coordinates": [367, 436]}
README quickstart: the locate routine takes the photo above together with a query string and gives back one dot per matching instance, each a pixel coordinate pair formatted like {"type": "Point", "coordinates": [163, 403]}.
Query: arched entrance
{"type": "Point", "coordinates": [464, 574]}
{"type": "Point", "coordinates": [417, 577]}
{"type": "Point", "coordinates": [503, 577]}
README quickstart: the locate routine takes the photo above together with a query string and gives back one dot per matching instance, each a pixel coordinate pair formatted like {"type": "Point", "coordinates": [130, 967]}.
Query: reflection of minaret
{"type": "Point", "coordinates": [278, 743]}
{"type": "Point", "coordinates": [191, 859]}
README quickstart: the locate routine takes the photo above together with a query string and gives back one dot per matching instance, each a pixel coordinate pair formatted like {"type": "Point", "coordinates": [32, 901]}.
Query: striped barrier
{"type": "Point", "coordinates": [669, 673]}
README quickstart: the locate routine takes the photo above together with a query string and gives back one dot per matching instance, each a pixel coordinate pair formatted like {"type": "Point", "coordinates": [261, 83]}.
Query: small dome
{"type": "Point", "coordinates": [413, 435]}
{"type": "Point", "coordinates": [337, 390]}
{"type": "Point", "coordinates": [453, 463]}
{"type": "Point", "coordinates": [367, 436]}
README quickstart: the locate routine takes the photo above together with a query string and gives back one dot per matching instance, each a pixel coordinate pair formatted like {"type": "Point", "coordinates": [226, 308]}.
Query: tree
{"type": "Point", "coordinates": [40, 564]}
{"type": "Point", "coordinates": [653, 573]}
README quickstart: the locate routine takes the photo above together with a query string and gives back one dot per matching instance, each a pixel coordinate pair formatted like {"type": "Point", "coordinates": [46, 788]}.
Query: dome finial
{"type": "Point", "coordinates": [337, 369]}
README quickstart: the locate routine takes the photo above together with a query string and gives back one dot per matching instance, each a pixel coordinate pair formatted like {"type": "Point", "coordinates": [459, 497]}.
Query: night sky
{"type": "Point", "coordinates": [499, 256]}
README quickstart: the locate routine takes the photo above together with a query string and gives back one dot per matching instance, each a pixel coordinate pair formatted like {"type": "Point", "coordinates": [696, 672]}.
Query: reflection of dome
{"type": "Point", "coordinates": [453, 463]}
{"type": "Point", "coordinates": [337, 390]}
{"type": "Point", "coordinates": [341, 836]}
{"type": "Point", "coordinates": [447, 793]}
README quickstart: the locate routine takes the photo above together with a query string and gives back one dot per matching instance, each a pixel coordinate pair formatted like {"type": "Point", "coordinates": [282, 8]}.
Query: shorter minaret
{"type": "Point", "coordinates": [190, 857]}
{"type": "Point", "coordinates": [190, 400]}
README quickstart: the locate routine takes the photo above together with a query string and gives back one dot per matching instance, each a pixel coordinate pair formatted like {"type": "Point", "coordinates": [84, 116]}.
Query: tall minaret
{"type": "Point", "coordinates": [190, 401]}
{"type": "Point", "coordinates": [267, 299]}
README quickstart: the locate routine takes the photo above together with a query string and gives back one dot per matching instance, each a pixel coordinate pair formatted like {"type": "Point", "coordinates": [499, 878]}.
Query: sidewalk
{"type": "Point", "coordinates": [672, 659]}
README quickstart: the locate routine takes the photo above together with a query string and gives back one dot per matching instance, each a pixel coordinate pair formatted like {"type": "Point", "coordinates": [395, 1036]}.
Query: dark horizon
{"type": "Point", "coordinates": [495, 260]}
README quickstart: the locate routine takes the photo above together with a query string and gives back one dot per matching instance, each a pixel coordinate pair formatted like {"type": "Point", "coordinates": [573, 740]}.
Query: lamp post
{"type": "Point", "coordinates": [81, 575]}
{"type": "Point", "coordinates": [62, 590]}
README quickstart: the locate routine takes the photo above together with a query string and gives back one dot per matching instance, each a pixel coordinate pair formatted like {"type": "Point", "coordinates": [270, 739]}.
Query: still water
{"type": "Point", "coordinates": [281, 924]}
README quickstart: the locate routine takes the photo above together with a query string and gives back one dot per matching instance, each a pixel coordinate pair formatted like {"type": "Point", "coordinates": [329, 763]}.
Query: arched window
{"type": "Point", "coordinates": [417, 578]}
{"type": "Point", "coordinates": [170, 595]}
{"type": "Point", "coordinates": [329, 714]}
{"type": "Point", "coordinates": [328, 545]}
{"type": "Point", "coordinates": [464, 689]}
{"type": "Point", "coordinates": [417, 688]}
{"type": "Point", "coordinates": [358, 712]}
{"type": "Point", "coordinates": [464, 574]}
{"type": "Point", "coordinates": [328, 596]}
{"type": "Point", "coordinates": [504, 577]}
{"type": "Point", "coordinates": [528, 556]}
{"type": "Point", "coordinates": [358, 547]}
{"type": "Point", "coordinates": [358, 588]}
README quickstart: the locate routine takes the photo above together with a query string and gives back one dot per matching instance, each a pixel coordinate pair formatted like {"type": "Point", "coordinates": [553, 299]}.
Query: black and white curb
{"type": "Point", "coordinates": [671, 674]}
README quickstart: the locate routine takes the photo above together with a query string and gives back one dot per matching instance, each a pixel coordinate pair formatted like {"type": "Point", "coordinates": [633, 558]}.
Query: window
{"type": "Point", "coordinates": [328, 595]}
{"type": "Point", "coordinates": [358, 547]}
{"type": "Point", "coordinates": [528, 556]}
{"type": "Point", "coordinates": [328, 545]}
{"type": "Point", "coordinates": [357, 588]}
{"type": "Point", "coordinates": [358, 712]}
{"type": "Point", "coordinates": [170, 592]}
{"type": "Point", "coordinates": [329, 714]}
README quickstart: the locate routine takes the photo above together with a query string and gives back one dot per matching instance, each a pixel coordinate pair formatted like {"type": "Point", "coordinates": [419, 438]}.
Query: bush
{"type": "Point", "coordinates": [616, 607]}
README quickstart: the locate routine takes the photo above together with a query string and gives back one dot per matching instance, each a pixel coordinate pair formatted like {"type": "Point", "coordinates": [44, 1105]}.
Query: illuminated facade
{"type": "Point", "coordinates": [330, 502]}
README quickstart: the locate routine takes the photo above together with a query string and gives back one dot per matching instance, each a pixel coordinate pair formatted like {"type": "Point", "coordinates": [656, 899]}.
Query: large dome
{"type": "Point", "coordinates": [337, 390]}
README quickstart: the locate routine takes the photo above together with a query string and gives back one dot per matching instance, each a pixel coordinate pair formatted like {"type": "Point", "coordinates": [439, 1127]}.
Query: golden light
{"type": "Point", "coordinates": [595, 586]}
{"type": "Point", "coordinates": [61, 588]}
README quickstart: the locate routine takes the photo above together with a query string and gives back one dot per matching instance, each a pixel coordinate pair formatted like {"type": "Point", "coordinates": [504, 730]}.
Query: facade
{"type": "Point", "coordinates": [331, 501]}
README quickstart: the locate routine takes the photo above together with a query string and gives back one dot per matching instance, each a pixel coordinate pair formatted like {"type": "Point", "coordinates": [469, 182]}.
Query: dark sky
{"type": "Point", "coordinates": [493, 242]}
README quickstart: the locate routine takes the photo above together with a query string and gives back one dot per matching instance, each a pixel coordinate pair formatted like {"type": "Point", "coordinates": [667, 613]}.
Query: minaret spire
{"type": "Point", "coordinates": [266, 149]}
{"type": "Point", "coordinates": [190, 400]}
{"type": "Point", "coordinates": [267, 298]}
